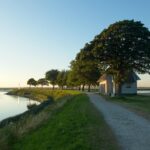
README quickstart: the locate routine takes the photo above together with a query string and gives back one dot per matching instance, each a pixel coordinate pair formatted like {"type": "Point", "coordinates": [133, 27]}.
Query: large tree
{"type": "Point", "coordinates": [122, 48]}
{"type": "Point", "coordinates": [52, 76]}
{"type": "Point", "coordinates": [72, 80]}
{"type": "Point", "coordinates": [85, 67]}
{"type": "Point", "coordinates": [62, 78]}
{"type": "Point", "coordinates": [31, 82]}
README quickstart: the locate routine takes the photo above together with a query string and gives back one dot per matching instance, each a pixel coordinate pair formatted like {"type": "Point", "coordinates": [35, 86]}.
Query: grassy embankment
{"type": "Point", "coordinates": [138, 103]}
{"type": "Point", "coordinates": [42, 94]}
{"type": "Point", "coordinates": [71, 123]}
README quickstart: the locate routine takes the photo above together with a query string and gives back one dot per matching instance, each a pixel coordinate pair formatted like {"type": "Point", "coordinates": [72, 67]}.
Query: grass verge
{"type": "Point", "coordinates": [137, 103]}
{"type": "Point", "coordinates": [75, 126]}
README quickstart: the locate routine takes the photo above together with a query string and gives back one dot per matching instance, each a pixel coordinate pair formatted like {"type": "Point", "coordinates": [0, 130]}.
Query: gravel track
{"type": "Point", "coordinates": [132, 131]}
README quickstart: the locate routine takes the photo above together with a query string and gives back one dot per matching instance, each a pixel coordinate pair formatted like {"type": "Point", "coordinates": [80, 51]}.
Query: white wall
{"type": "Point", "coordinates": [100, 84]}
{"type": "Point", "coordinates": [108, 87]}
{"type": "Point", "coordinates": [130, 88]}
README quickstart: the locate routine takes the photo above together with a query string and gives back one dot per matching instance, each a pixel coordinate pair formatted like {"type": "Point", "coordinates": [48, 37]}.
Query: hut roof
{"type": "Point", "coordinates": [132, 77]}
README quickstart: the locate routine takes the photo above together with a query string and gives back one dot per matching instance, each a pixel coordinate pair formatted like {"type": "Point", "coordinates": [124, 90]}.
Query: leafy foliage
{"type": "Point", "coordinates": [52, 76]}
{"type": "Point", "coordinates": [42, 82]}
{"type": "Point", "coordinates": [122, 48]}
{"type": "Point", "coordinates": [85, 68]}
{"type": "Point", "coordinates": [62, 78]}
{"type": "Point", "coordinates": [31, 82]}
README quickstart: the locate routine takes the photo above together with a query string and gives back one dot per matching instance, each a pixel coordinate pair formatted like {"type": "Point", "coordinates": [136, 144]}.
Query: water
{"type": "Point", "coordinates": [144, 91]}
{"type": "Point", "coordinates": [13, 105]}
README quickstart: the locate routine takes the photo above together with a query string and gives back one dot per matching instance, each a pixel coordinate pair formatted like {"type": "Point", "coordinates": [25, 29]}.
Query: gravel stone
{"type": "Point", "coordinates": [132, 131]}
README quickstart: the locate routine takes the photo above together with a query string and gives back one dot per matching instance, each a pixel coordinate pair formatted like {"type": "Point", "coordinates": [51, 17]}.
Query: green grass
{"type": "Point", "coordinates": [42, 94]}
{"type": "Point", "coordinates": [139, 103]}
{"type": "Point", "coordinates": [31, 121]}
{"type": "Point", "coordinates": [27, 123]}
{"type": "Point", "coordinates": [75, 126]}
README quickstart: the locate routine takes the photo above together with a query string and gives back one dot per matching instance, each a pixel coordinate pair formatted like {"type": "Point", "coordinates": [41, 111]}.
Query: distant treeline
{"type": "Point", "coordinates": [61, 79]}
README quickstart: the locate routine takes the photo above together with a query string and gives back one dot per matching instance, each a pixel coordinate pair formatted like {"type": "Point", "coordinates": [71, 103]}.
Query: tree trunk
{"type": "Point", "coordinates": [79, 88]}
{"type": "Point", "coordinates": [89, 88]}
{"type": "Point", "coordinates": [53, 86]}
{"type": "Point", "coordinates": [83, 87]}
{"type": "Point", "coordinates": [119, 82]}
{"type": "Point", "coordinates": [119, 89]}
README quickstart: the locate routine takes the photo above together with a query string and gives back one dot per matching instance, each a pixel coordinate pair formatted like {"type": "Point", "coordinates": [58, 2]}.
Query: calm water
{"type": "Point", "coordinates": [144, 91]}
{"type": "Point", "coordinates": [13, 105]}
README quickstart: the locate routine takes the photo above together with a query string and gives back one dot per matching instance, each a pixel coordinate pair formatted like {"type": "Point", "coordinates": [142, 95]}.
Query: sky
{"type": "Point", "coordinates": [39, 35]}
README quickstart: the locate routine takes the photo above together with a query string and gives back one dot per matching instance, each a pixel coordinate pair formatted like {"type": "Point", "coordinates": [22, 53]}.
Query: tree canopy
{"type": "Point", "coordinates": [72, 79]}
{"type": "Point", "coordinates": [62, 78]}
{"type": "Point", "coordinates": [52, 76]}
{"type": "Point", "coordinates": [85, 68]}
{"type": "Point", "coordinates": [42, 82]}
{"type": "Point", "coordinates": [122, 48]}
{"type": "Point", "coordinates": [31, 82]}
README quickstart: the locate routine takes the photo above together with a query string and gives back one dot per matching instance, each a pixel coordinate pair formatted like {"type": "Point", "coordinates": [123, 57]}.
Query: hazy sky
{"type": "Point", "coordinates": [38, 35]}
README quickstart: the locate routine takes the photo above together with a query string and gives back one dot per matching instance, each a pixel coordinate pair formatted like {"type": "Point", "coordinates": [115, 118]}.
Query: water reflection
{"type": "Point", "coordinates": [13, 105]}
{"type": "Point", "coordinates": [144, 91]}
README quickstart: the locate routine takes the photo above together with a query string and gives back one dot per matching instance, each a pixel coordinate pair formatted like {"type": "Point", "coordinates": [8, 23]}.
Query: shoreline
{"type": "Point", "coordinates": [42, 96]}
{"type": "Point", "coordinates": [16, 117]}
{"type": "Point", "coordinates": [66, 110]}
{"type": "Point", "coordinates": [27, 95]}
{"type": "Point", "coordinates": [33, 111]}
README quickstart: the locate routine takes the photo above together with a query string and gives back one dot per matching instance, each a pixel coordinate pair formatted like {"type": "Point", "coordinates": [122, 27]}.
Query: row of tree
{"type": "Point", "coordinates": [120, 49]}
{"type": "Point", "coordinates": [53, 77]}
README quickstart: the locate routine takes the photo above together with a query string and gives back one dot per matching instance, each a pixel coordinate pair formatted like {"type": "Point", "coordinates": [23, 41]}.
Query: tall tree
{"type": "Point", "coordinates": [52, 76]}
{"type": "Point", "coordinates": [85, 67]}
{"type": "Point", "coordinates": [42, 82]}
{"type": "Point", "coordinates": [62, 78]}
{"type": "Point", "coordinates": [122, 48]}
{"type": "Point", "coordinates": [31, 82]}
{"type": "Point", "coordinates": [75, 76]}
{"type": "Point", "coordinates": [72, 80]}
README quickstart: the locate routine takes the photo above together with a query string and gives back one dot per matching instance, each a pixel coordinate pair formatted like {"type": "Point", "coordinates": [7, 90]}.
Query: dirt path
{"type": "Point", "coordinates": [131, 130]}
